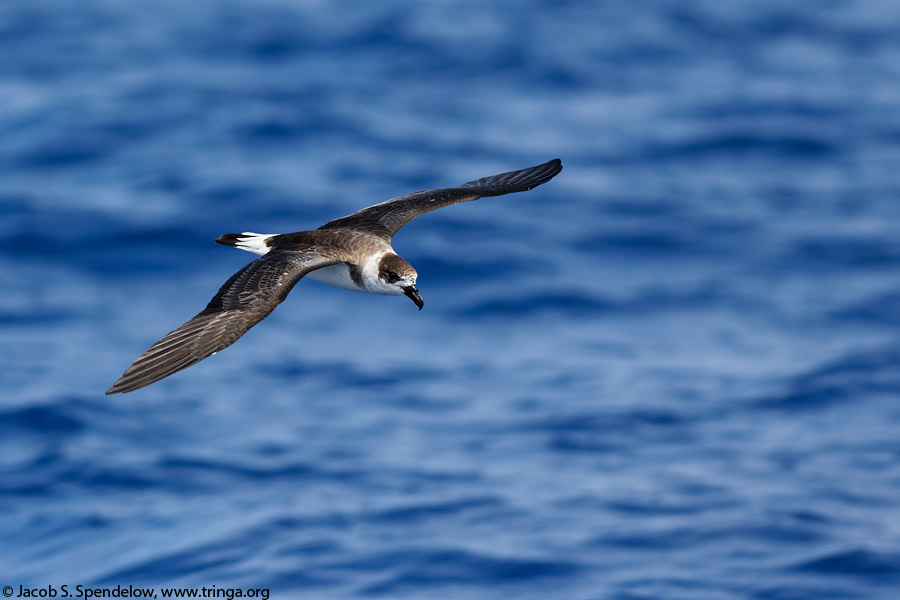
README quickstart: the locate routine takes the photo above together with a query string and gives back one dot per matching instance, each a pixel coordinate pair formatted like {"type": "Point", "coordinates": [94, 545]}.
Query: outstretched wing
{"type": "Point", "coordinates": [245, 300]}
{"type": "Point", "coordinates": [388, 217]}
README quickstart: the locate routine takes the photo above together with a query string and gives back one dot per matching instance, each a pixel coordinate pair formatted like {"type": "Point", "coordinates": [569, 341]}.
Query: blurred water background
{"type": "Point", "coordinates": [670, 373]}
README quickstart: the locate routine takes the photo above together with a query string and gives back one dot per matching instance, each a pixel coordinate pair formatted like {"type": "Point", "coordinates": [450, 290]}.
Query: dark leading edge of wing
{"type": "Point", "coordinates": [245, 300]}
{"type": "Point", "coordinates": [390, 216]}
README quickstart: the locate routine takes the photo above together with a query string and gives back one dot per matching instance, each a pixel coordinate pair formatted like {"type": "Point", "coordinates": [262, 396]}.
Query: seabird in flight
{"type": "Point", "coordinates": [353, 252]}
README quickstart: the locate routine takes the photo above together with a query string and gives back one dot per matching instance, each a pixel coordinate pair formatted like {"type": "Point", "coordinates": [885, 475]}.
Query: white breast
{"type": "Point", "coordinates": [336, 275]}
{"type": "Point", "coordinates": [339, 276]}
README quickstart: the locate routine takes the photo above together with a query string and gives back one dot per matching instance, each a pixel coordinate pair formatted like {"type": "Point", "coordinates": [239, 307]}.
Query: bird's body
{"type": "Point", "coordinates": [359, 274]}
{"type": "Point", "coordinates": [353, 252]}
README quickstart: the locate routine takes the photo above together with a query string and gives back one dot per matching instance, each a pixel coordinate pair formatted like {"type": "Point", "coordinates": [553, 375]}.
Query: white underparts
{"type": "Point", "coordinates": [339, 276]}
{"type": "Point", "coordinates": [336, 275]}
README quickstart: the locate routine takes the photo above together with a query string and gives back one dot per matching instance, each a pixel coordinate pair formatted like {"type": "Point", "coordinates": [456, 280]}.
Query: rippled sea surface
{"type": "Point", "coordinates": [673, 372]}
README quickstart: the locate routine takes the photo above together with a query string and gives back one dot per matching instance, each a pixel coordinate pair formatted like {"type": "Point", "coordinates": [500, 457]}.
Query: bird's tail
{"type": "Point", "coordinates": [249, 241]}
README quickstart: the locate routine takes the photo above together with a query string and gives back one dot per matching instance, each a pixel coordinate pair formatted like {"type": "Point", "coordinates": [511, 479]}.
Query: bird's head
{"type": "Point", "coordinates": [400, 276]}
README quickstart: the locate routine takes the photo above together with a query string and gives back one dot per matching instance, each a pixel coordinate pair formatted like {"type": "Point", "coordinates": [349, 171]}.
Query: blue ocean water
{"type": "Point", "coordinates": [673, 372]}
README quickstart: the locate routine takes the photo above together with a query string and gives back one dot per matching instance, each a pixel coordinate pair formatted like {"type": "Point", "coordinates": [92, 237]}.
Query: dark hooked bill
{"type": "Point", "coordinates": [413, 294]}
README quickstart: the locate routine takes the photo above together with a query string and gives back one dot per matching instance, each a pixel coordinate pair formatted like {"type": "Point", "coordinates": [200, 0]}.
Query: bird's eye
{"type": "Point", "coordinates": [392, 277]}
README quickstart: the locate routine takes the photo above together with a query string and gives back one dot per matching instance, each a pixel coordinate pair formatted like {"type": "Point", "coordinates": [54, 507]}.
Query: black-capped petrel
{"type": "Point", "coordinates": [353, 252]}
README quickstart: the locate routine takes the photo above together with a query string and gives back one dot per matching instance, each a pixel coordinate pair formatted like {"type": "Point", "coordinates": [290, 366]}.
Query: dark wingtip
{"type": "Point", "coordinates": [120, 387]}
{"type": "Point", "coordinates": [115, 389]}
{"type": "Point", "coordinates": [517, 181]}
{"type": "Point", "coordinates": [537, 175]}
{"type": "Point", "coordinates": [548, 170]}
